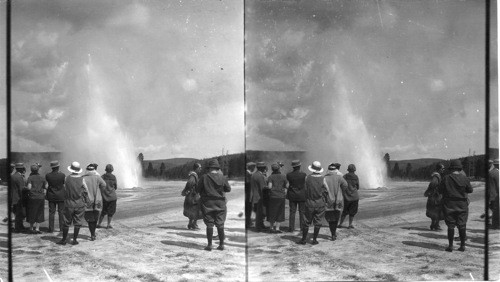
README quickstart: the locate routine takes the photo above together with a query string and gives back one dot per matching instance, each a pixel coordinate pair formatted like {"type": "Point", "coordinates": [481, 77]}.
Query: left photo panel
{"type": "Point", "coordinates": [127, 141]}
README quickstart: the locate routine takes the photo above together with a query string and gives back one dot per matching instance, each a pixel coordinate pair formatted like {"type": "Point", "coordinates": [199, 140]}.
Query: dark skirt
{"type": "Point", "coordinates": [35, 211]}
{"type": "Point", "coordinates": [108, 208]}
{"type": "Point", "coordinates": [192, 211]}
{"type": "Point", "coordinates": [91, 216]}
{"type": "Point", "coordinates": [350, 207]}
{"type": "Point", "coordinates": [276, 211]}
{"type": "Point", "coordinates": [332, 215]}
{"type": "Point", "coordinates": [434, 211]}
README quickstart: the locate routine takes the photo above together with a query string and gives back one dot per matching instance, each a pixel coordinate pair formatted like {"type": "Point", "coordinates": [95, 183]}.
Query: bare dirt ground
{"type": "Point", "coordinates": [4, 250]}
{"type": "Point", "coordinates": [391, 241]}
{"type": "Point", "coordinates": [150, 242]}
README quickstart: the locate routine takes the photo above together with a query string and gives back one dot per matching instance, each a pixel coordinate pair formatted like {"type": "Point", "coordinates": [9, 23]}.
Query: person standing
{"type": "Point", "coordinates": [36, 185]}
{"type": "Point", "coordinates": [75, 192]}
{"type": "Point", "coordinates": [351, 196]}
{"type": "Point", "coordinates": [109, 197]}
{"type": "Point", "coordinates": [55, 195]}
{"type": "Point", "coordinates": [212, 188]}
{"type": "Point", "coordinates": [316, 197]}
{"type": "Point", "coordinates": [257, 185]}
{"type": "Point", "coordinates": [493, 195]}
{"type": "Point", "coordinates": [248, 204]}
{"type": "Point", "coordinates": [337, 169]}
{"type": "Point", "coordinates": [434, 207]}
{"type": "Point", "coordinates": [16, 194]}
{"type": "Point", "coordinates": [191, 201]}
{"type": "Point", "coordinates": [95, 184]}
{"type": "Point", "coordinates": [296, 195]}
{"type": "Point", "coordinates": [277, 184]}
{"type": "Point", "coordinates": [336, 184]}
{"type": "Point", "coordinates": [455, 188]}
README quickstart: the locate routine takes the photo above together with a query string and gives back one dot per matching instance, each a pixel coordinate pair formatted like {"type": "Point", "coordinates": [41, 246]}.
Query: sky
{"type": "Point", "coordinates": [409, 75]}
{"type": "Point", "coordinates": [3, 89]}
{"type": "Point", "coordinates": [167, 76]}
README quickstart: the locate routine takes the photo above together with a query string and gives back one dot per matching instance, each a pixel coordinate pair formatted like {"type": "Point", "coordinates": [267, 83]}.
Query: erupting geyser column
{"type": "Point", "coordinates": [106, 141]}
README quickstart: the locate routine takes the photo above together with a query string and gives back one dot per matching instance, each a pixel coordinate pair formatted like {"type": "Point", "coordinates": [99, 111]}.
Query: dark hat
{"type": "Point", "coordinates": [280, 164]}
{"type": "Point", "coordinates": [351, 167]}
{"type": "Point", "coordinates": [275, 167]}
{"type": "Point", "coordinates": [261, 164]}
{"type": "Point", "coordinates": [249, 164]}
{"type": "Point", "coordinates": [91, 167]}
{"type": "Point", "coordinates": [455, 164]}
{"type": "Point", "coordinates": [109, 168]}
{"type": "Point", "coordinates": [75, 167]}
{"type": "Point", "coordinates": [12, 165]}
{"type": "Point", "coordinates": [213, 163]}
{"type": "Point", "coordinates": [332, 166]}
{"type": "Point", "coordinates": [495, 162]}
{"type": "Point", "coordinates": [34, 167]}
{"type": "Point", "coordinates": [337, 165]}
{"type": "Point", "coordinates": [296, 163]}
{"type": "Point", "coordinates": [54, 164]}
{"type": "Point", "coordinates": [315, 167]}
{"type": "Point", "coordinates": [19, 165]}
{"type": "Point", "coordinates": [490, 162]}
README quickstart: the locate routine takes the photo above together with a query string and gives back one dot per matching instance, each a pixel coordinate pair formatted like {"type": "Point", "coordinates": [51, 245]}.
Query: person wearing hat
{"type": "Point", "coordinates": [434, 209]}
{"type": "Point", "coordinates": [296, 195]}
{"type": "Point", "coordinates": [191, 201]}
{"type": "Point", "coordinates": [109, 197]}
{"type": "Point", "coordinates": [12, 169]}
{"type": "Point", "coordinates": [493, 195]}
{"type": "Point", "coordinates": [257, 185]}
{"type": "Point", "coordinates": [316, 197]}
{"type": "Point", "coordinates": [16, 194]}
{"type": "Point", "coordinates": [337, 169]}
{"type": "Point", "coordinates": [95, 184]}
{"type": "Point", "coordinates": [491, 166]}
{"type": "Point", "coordinates": [335, 201]}
{"type": "Point", "coordinates": [277, 184]}
{"type": "Point", "coordinates": [36, 185]}
{"type": "Point", "coordinates": [212, 188]}
{"type": "Point", "coordinates": [55, 195]}
{"type": "Point", "coordinates": [248, 204]}
{"type": "Point", "coordinates": [455, 188]}
{"type": "Point", "coordinates": [351, 196]}
{"type": "Point", "coordinates": [75, 196]}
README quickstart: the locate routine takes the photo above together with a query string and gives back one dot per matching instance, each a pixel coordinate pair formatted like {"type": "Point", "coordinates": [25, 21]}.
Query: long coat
{"type": "Point", "coordinates": [94, 184]}
{"type": "Point", "coordinates": [336, 184]}
{"type": "Point", "coordinates": [257, 184]}
{"type": "Point", "coordinates": [192, 199]}
{"type": "Point", "coordinates": [455, 188]}
{"type": "Point", "coordinates": [434, 207]}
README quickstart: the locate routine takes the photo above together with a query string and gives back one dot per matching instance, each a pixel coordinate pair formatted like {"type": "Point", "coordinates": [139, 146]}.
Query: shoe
{"type": "Point", "coordinates": [301, 242]}
{"type": "Point", "coordinates": [190, 227]}
{"type": "Point", "coordinates": [314, 242]}
{"type": "Point", "coordinates": [109, 227]}
{"type": "Point", "coordinates": [92, 238]}
{"type": "Point", "coordinates": [334, 237]}
{"type": "Point", "coordinates": [98, 226]}
{"type": "Point", "coordinates": [5, 219]}
{"type": "Point", "coordinates": [220, 248]}
{"type": "Point", "coordinates": [50, 231]}
{"type": "Point", "coordinates": [208, 248]}
{"type": "Point", "coordinates": [438, 228]}
{"type": "Point", "coordinates": [279, 231]}
{"type": "Point", "coordinates": [350, 227]}
{"type": "Point", "coordinates": [449, 249]}
{"type": "Point", "coordinates": [291, 230]}
{"type": "Point", "coordinates": [75, 242]}
{"type": "Point", "coordinates": [432, 227]}
{"type": "Point", "coordinates": [195, 227]}
{"type": "Point", "coordinates": [38, 232]}
{"type": "Point", "coordinates": [462, 248]}
{"type": "Point", "coordinates": [62, 242]}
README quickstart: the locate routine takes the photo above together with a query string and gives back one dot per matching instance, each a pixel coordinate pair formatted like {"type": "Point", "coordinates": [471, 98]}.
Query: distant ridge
{"type": "Point", "coordinates": [169, 163]}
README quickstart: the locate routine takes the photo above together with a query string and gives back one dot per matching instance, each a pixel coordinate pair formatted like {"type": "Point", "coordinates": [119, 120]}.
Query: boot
{"type": "Point", "coordinates": [190, 224]}
{"type": "Point", "coordinates": [451, 233]}
{"type": "Point", "coordinates": [462, 233]}
{"type": "Point", "coordinates": [315, 235]}
{"type": "Point", "coordinates": [333, 229]}
{"type": "Point", "coordinates": [194, 225]}
{"type": "Point", "coordinates": [92, 226]}
{"type": "Point", "coordinates": [436, 226]}
{"type": "Point", "coordinates": [210, 233]}
{"type": "Point", "coordinates": [75, 235]}
{"type": "Point", "coordinates": [305, 230]}
{"type": "Point", "coordinates": [342, 217]}
{"type": "Point", "coordinates": [65, 236]}
{"type": "Point", "coordinates": [351, 218]}
{"type": "Point", "coordinates": [100, 221]}
{"type": "Point", "coordinates": [220, 231]}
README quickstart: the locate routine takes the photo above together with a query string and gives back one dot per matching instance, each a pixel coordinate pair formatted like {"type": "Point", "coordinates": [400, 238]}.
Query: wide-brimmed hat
{"type": "Point", "coordinates": [109, 168]}
{"type": "Point", "coordinates": [332, 166]}
{"type": "Point", "coordinates": [214, 163]}
{"type": "Point", "coordinates": [91, 166]}
{"type": "Point", "coordinates": [75, 167]}
{"type": "Point", "coordinates": [455, 164]}
{"type": "Point", "coordinates": [34, 167]}
{"type": "Point", "coordinates": [296, 163]}
{"type": "Point", "coordinates": [315, 167]}
{"type": "Point", "coordinates": [19, 165]}
{"type": "Point", "coordinates": [261, 164]}
{"type": "Point", "coordinates": [249, 164]}
{"type": "Point", "coordinates": [351, 167]}
{"type": "Point", "coordinates": [54, 164]}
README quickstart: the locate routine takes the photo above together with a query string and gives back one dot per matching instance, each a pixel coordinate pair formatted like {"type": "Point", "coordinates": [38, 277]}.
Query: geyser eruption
{"type": "Point", "coordinates": [106, 141]}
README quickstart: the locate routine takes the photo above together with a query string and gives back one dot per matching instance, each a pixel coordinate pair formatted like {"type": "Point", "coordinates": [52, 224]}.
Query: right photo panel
{"type": "Point", "coordinates": [365, 140]}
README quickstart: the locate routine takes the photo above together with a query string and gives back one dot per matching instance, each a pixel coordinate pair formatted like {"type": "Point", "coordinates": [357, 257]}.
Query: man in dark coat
{"type": "Point", "coordinates": [109, 196]}
{"type": "Point", "coordinates": [191, 200]}
{"type": "Point", "coordinates": [296, 195]}
{"type": "Point", "coordinates": [351, 196]}
{"type": "Point", "coordinates": [212, 188]}
{"type": "Point", "coordinates": [55, 195]}
{"type": "Point", "coordinates": [16, 193]}
{"type": "Point", "coordinates": [434, 207]}
{"type": "Point", "coordinates": [493, 195]}
{"type": "Point", "coordinates": [455, 188]}
{"type": "Point", "coordinates": [316, 198]}
{"type": "Point", "coordinates": [248, 204]}
{"type": "Point", "coordinates": [257, 185]}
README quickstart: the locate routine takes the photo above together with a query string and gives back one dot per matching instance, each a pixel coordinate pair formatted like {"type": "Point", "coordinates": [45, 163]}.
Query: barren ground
{"type": "Point", "coordinates": [391, 241]}
{"type": "Point", "coordinates": [149, 242]}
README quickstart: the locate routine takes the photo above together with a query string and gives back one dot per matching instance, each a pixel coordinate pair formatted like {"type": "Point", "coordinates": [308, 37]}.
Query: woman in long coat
{"type": "Point", "coordinates": [434, 207]}
{"type": "Point", "coordinates": [36, 202]}
{"type": "Point", "coordinates": [334, 206]}
{"type": "Point", "coordinates": [277, 185]}
{"type": "Point", "coordinates": [191, 201]}
{"type": "Point", "coordinates": [94, 205]}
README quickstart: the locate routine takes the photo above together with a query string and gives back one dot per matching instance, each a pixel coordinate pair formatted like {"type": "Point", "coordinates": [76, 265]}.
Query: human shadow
{"type": "Point", "coordinates": [173, 228]}
{"type": "Point", "coordinates": [55, 238]}
{"type": "Point", "coordinates": [431, 235]}
{"type": "Point", "coordinates": [191, 235]}
{"type": "Point", "coordinates": [241, 230]}
{"type": "Point", "coordinates": [188, 245]}
{"type": "Point", "coordinates": [291, 238]}
{"type": "Point", "coordinates": [416, 228]}
{"type": "Point", "coordinates": [425, 245]}
{"type": "Point", "coordinates": [475, 231]}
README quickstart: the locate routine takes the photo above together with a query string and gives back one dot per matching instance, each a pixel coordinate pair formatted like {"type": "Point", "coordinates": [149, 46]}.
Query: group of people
{"type": "Point", "coordinates": [447, 199]}
{"type": "Point", "coordinates": [76, 197]}
{"type": "Point", "coordinates": [330, 197]}
{"type": "Point", "coordinates": [205, 198]}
